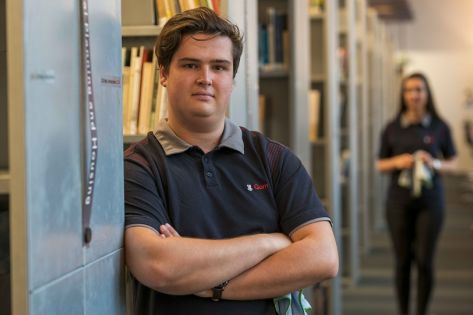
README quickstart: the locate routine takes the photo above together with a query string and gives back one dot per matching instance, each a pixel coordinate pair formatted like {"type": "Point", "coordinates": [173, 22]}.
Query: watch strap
{"type": "Point", "coordinates": [218, 290]}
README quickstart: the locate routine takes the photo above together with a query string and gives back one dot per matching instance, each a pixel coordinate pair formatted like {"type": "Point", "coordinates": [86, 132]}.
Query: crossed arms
{"type": "Point", "coordinates": [258, 266]}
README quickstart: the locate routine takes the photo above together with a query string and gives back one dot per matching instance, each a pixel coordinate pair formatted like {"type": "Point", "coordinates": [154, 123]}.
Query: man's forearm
{"type": "Point", "coordinates": [180, 265]}
{"type": "Point", "coordinates": [303, 263]}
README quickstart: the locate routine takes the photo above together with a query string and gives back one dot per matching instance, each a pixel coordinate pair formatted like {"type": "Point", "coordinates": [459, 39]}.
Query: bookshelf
{"type": "Point", "coordinates": [331, 133]}
{"type": "Point", "coordinates": [283, 57]}
{"type": "Point", "coordinates": [380, 67]}
{"type": "Point", "coordinates": [340, 154]}
{"type": "Point", "coordinates": [245, 90]}
{"type": "Point", "coordinates": [328, 76]}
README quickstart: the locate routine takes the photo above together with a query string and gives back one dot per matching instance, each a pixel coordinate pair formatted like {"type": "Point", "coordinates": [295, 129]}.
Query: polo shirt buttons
{"type": "Point", "coordinates": [206, 159]}
{"type": "Point", "coordinates": [210, 175]}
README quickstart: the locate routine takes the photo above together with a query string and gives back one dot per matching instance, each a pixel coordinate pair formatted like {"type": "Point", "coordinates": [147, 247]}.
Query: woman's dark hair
{"type": "Point", "coordinates": [430, 107]}
{"type": "Point", "coordinates": [200, 20]}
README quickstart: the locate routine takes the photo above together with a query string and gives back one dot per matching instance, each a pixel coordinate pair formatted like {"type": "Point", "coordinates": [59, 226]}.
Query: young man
{"type": "Point", "coordinates": [219, 220]}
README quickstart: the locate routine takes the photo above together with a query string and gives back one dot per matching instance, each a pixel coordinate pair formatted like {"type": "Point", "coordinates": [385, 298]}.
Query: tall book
{"type": "Point", "coordinates": [162, 12]}
{"type": "Point", "coordinates": [154, 98]}
{"type": "Point", "coordinates": [147, 85]}
{"type": "Point", "coordinates": [137, 54]}
{"type": "Point", "coordinates": [161, 104]}
{"type": "Point", "coordinates": [314, 115]}
{"type": "Point", "coordinates": [126, 77]}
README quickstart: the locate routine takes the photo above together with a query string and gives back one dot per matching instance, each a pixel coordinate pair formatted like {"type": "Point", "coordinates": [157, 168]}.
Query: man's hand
{"type": "Point", "coordinates": [168, 231]}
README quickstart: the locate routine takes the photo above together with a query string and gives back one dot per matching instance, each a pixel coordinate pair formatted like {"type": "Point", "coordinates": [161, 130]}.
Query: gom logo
{"type": "Point", "coordinates": [260, 186]}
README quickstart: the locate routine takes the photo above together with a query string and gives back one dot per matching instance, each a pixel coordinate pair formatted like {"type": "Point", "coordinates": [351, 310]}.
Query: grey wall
{"type": "Point", "coordinates": [63, 275]}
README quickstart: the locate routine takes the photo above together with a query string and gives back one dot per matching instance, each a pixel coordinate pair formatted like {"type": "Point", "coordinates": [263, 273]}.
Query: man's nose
{"type": "Point", "coordinates": [204, 76]}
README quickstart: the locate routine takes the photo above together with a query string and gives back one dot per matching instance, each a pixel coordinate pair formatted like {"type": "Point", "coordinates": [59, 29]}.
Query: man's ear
{"type": "Point", "coordinates": [163, 76]}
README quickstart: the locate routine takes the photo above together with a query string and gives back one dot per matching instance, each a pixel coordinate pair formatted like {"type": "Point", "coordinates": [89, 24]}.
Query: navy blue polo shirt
{"type": "Point", "coordinates": [431, 135]}
{"type": "Point", "coordinates": [248, 184]}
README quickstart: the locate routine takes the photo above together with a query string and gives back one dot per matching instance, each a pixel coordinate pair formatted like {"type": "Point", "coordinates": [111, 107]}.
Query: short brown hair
{"type": "Point", "coordinates": [200, 20]}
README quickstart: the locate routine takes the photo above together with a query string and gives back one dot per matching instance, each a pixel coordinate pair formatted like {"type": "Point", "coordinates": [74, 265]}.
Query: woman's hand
{"type": "Point", "coordinates": [425, 157]}
{"type": "Point", "coordinates": [404, 161]}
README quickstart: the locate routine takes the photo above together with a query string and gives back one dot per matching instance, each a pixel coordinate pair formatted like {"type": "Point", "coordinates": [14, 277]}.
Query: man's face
{"type": "Point", "coordinates": [199, 80]}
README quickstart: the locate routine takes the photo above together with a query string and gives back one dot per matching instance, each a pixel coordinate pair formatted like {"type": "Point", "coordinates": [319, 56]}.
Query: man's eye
{"type": "Point", "coordinates": [220, 68]}
{"type": "Point", "coordinates": [190, 66]}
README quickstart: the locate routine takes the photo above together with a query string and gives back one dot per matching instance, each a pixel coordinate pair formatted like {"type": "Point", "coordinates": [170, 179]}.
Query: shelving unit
{"type": "Point", "coordinates": [351, 122]}
{"type": "Point", "coordinates": [325, 74]}
{"type": "Point", "coordinates": [286, 88]}
{"type": "Point", "coordinates": [137, 31]}
{"type": "Point", "coordinates": [136, 36]}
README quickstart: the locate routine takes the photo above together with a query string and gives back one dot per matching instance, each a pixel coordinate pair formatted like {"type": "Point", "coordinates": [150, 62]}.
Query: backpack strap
{"type": "Point", "coordinates": [270, 153]}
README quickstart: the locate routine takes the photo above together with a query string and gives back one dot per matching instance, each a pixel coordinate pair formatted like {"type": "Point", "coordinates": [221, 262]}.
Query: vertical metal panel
{"type": "Point", "coordinates": [299, 81]}
{"type": "Point", "coordinates": [108, 209]}
{"type": "Point", "coordinates": [353, 106]}
{"type": "Point", "coordinates": [104, 285]}
{"type": "Point", "coordinates": [64, 296]}
{"type": "Point", "coordinates": [238, 107]}
{"type": "Point", "coordinates": [52, 139]}
{"type": "Point", "coordinates": [374, 104]}
{"type": "Point", "coordinates": [364, 114]}
{"type": "Point", "coordinates": [331, 118]}
{"type": "Point", "coordinates": [378, 209]}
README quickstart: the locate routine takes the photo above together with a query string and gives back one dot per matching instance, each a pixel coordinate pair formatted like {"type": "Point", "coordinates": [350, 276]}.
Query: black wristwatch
{"type": "Point", "coordinates": [218, 290]}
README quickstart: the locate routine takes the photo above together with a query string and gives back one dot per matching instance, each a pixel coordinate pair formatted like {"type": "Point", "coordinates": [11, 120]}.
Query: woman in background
{"type": "Point", "coordinates": [416, 148]}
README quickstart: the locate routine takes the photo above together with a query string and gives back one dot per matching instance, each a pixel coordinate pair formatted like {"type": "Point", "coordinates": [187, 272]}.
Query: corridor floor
{"type": "Point", "coordinates": [453, 294]}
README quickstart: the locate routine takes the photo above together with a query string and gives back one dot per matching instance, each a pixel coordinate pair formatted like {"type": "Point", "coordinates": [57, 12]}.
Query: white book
{"type": "Point", "coordinates": [147, 82]}
{"type": "Point", "coordinates": [125, 86]}
{"type": "Point", "coordinates": [135, 88]}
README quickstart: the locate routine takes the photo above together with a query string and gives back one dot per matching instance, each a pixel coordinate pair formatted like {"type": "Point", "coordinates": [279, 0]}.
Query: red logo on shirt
{"type": "Point", "coordinates": [250, 187]}
{"type": "Point", "coordinates": [260, 186]}
{"type": "Point", "coordinates": [428, 139]}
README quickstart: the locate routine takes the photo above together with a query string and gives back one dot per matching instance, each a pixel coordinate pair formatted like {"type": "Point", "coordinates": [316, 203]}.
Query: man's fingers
{"type": "Point", "coordinates": [168, 231]}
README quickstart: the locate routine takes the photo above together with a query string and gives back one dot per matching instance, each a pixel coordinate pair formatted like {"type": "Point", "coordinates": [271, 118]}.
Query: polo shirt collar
{"type": "Point", "coordinates": [172, 144]}
{"type": "Point", "coordinates": [425, 122]}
